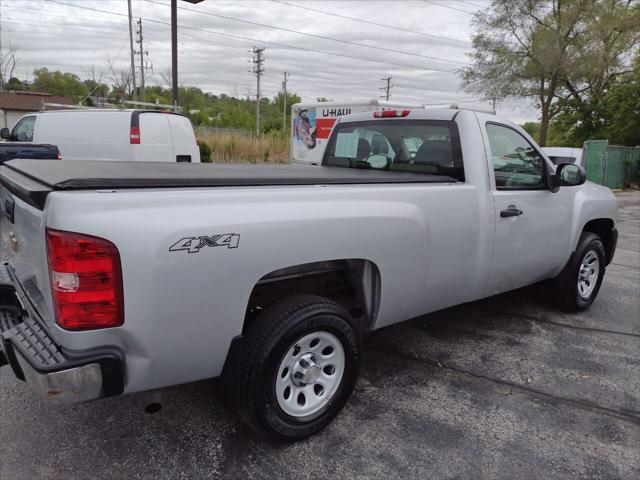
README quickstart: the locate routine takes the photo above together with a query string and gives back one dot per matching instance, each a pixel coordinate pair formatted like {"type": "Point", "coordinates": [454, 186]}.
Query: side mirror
{"type": "Point", "coordinates": [5, 133]}
{"type": "Point", "coordinates": [570, 175]}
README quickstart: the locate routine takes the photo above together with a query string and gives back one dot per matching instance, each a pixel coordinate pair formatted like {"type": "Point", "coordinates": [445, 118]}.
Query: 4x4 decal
{"type": "Point", "coordinates": [195, 244]}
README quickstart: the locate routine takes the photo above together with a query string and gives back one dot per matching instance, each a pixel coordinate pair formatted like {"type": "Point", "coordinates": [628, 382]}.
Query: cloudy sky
{"type": "Point", "coordinates": [334, 49]}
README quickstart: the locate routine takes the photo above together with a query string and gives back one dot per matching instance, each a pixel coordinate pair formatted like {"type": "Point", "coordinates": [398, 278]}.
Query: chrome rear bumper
{"type": "Point", "coordinates": [60, 375]}
{"type": "Point", "coordinates": [72, 385]}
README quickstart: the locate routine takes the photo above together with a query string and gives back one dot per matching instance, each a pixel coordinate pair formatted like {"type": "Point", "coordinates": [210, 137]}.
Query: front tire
{"type": "Point", "coordinates": [298, 368]}
{"type": "Point", "coordinates": [578, 284]}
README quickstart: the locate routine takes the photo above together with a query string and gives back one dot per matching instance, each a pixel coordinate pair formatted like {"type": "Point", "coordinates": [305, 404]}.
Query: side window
{"type": "Point", "coordinates": [23, 131]}
{"type": "Point", "coordinates": [516, 164]}
{"type": "Point", "coordinates": [429, 147]}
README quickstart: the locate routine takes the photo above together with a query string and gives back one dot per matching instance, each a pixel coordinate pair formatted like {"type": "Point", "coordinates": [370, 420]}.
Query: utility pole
{"type": "Point", "coordinates": [387, 88]}
{"type": "Point", "coordinates": [143, 65]}
{"type": "Point", "coordinates": [258, 70]}
{"type": "Point", "coordinates": [174, 48]}
{"type": "Point", "coordinates": [174, 52]}
{"type": "Point", "coordinates": [133, 66]}
{"type": "Point", "coordinates": [284, 97]}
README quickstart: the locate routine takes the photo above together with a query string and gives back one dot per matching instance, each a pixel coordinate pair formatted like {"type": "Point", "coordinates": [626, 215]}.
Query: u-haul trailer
{"type": "Point", "coordinates": [311, 124]}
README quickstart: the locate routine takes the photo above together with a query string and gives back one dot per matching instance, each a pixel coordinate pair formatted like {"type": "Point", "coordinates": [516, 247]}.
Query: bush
{"type": "Point", "coordinates": [233, 148]}
{"type": "Point", "coordinates": [205, 151]}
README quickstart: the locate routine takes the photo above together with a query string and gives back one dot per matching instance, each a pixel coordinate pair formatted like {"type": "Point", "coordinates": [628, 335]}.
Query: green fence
{"type": "Point", "coordinates": [610, 165]}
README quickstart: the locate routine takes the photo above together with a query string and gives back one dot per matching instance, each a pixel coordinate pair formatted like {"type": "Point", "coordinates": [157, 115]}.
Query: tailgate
{"type": "Point", "coordinates": [22, 245]}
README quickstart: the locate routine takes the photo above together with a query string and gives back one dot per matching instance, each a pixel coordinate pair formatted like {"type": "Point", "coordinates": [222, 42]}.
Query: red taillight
{"type": "Point", "coordinates": [86, 281]}
{"type": "Point", "coordinates": [391, 113]}
{"type": "Point", "coordinates": [134, 136]}
{"type": "Point", "coordinates": [59, 157]}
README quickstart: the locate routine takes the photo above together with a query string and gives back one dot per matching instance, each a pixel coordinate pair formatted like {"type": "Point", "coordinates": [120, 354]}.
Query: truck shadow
{"type": "Point", "coordinates": [511, 313]}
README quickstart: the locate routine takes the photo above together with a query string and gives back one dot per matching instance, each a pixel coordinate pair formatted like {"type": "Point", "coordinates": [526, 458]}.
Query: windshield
{"type": "Point", "coordinates": [415, 146]}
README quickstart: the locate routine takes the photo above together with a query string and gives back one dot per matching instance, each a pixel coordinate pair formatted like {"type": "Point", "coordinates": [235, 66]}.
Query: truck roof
{"type": "Point", "coordinates": [386, 104]}
{"type": "Point", "coordinates": [414, 114]}
{"type": "Point", "coordinates": [33, 180]}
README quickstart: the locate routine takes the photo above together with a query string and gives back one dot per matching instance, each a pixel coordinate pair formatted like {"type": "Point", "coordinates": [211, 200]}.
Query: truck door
{"type": "Point", "coordinates": [185, 148]}
{"type": "Point", "coordinates": [533, 224]}
{"type": "Point", "coordinates": [156, 144]}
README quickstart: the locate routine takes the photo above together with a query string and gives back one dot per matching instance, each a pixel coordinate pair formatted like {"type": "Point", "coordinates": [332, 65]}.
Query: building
{"type": "Point", "coordinates": [15, 104]}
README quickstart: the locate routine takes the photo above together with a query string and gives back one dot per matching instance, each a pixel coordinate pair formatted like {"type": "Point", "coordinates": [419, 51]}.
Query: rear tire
{"type": "Point", "coordinates": [578, 284]}
{"type": "Point", "coordinates": [298, 368]}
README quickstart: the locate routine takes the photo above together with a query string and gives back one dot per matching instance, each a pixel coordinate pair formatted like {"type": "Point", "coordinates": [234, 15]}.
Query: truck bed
{"type": "Point", "coordinates": [33, 181]}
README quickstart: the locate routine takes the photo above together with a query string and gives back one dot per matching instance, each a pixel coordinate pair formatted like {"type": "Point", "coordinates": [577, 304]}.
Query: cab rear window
{"type": "Point", "coordinates": [430, 147]}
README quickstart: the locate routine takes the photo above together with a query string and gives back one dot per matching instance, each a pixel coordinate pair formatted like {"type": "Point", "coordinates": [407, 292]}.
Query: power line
{"type": "Point", "coordinates": [303, 74]}
{"type": "Point", "coordinates": [28, 31]}
{"type": "Point", "coordinates": [428, 35]}
{"type": "Point", "coordinates": [322, 37]}
{"type": "Point", "coordinates": [309, 81]}
{"type": "Point", "coordinates": [322, 80]}
{"type": "Point", "coordinates": [307, 76]}
{"type": "Point", "coordinates": [242, 37]}
{"type": "Point", "coordinates": [306, 73]}
{"type": "Point", "coordinates": [326, 78]}
{"type": "Point", "coordinates": [341, 73]}
{"type": "Point", "coordinates": [449, 7]}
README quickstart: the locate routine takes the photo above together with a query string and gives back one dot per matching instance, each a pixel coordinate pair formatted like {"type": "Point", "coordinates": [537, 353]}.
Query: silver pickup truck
{"type": "Point", "coordinates": [122, 277]}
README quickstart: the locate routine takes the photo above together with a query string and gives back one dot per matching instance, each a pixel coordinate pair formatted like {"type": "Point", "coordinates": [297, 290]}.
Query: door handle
{"type": "Point", "coordinates": [511, 211]}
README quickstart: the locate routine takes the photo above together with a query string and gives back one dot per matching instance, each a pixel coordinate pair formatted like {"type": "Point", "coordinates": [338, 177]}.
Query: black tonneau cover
{"type": "Point", "coordinates": [92, 175]}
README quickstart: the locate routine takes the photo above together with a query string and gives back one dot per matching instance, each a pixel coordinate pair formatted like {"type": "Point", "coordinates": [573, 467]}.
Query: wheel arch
{"type": "Point", "coordinates": [604, 228]}
{"type": "Point", "coordinates": [354, 283]}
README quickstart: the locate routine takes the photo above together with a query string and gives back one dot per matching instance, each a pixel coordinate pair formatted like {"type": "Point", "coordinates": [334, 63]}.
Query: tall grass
{"type": "Point", "coordinates": [235, 148]}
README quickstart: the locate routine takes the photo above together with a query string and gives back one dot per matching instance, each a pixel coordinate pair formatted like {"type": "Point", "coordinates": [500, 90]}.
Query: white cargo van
{"type": "Point", "coordinates": [104, 134]}
{"type": "Point", "coordinates": [311, 124]}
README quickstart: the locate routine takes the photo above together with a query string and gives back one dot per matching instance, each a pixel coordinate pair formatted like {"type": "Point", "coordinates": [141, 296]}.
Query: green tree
{"type": "Point", "coordinates": [59, 83]}
{"type": "Point", "coordinates": [613, 114]}
{"type": "Point", "coordinates": [599, 74]}
{"type": "Point", "coordinates": [566, 54]}
{"type": "Point", "coordinates": [532, 128]}
{"type": "Point", "coordinates": [15, 84]}
{"type": "Point", "coordinates": [519, 50]}
{"type": "Point", "coordinates": [273, 113]}
{"type": "Point", "coordinates": [621, 105]}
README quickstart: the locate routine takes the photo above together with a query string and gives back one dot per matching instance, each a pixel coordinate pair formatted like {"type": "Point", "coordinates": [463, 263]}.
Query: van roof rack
{"type": "Point", "coordinates": [106, 106]}
{"type": "Point", "coordinates": [45, 105]}
{"type": "Point", "coordinates": [165, 106]}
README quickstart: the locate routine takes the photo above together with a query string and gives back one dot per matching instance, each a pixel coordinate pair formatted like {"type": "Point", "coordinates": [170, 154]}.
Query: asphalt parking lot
{"type": "Point", "coordinates": [507, 387]}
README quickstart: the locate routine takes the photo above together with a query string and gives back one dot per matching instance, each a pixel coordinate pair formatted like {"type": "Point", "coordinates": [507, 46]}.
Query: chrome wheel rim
{"type": "Point", "coordinates": [588, 275]}
{"type": "Point", "coordinates": [309, 374]}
